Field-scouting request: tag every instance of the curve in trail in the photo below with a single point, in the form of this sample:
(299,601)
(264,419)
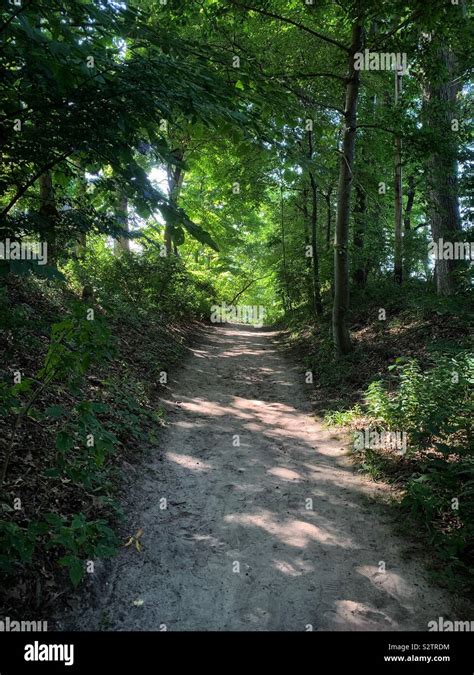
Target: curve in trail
(239,546)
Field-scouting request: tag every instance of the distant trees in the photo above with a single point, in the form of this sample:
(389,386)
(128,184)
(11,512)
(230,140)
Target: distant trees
(83,86)
(93,89)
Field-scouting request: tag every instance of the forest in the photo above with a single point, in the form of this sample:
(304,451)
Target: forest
(236,262)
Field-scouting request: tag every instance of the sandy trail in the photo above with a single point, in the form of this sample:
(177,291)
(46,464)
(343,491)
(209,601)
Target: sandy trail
(237,547)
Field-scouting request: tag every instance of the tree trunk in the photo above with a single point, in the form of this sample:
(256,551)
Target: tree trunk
(327,197)
(49,211)
(407,234)
(442,170)
(175,182)
(318,306)
(307,239)
(360,215)
(81,237)
(287,305)
(168,240)
(398,253)
(410,202)
(341,336)
(121,213)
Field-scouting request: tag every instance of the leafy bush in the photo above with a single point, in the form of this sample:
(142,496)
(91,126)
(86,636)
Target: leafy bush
(433,406)
(76,343)
(83,444)
(441,496)
(75,541)
(148,281)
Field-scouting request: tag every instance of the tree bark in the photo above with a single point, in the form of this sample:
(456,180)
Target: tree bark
(307,239)
(342,342)
(360,214)
(175,182)
(410,202)
(121,212)
(81,237)
(48,210)
(398,253)
(288,304)
(327,197)
(440,94)
(317,303)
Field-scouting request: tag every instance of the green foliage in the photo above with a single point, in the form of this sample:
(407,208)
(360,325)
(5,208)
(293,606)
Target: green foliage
(17,544)
(24,267)
(80,540)
(97,96)
(83,443)
(433,406)
(146,283)
(77,343)
(340,418)
(85,81)
(441,498)
(75,541)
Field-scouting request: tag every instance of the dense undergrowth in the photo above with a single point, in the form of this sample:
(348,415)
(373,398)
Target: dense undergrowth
(79,401)
(411,373)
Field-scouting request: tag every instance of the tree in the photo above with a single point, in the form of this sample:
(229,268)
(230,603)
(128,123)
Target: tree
(342,340)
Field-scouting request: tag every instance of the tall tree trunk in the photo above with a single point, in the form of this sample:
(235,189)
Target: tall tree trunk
(307,240)
(410,202)
(327,197)
(168,240)
(81,237)
(175,182)
(288,304)
(341,336)
(48,210)
(398,254)
(440,94)
(121,213)
(318,305)
(407,262)
(360,215)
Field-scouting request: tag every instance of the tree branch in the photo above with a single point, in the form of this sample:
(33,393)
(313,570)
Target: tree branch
(376,126)
(284,76)
(32,180)
(14,15)
(310,101)
(286,19)
(415,15)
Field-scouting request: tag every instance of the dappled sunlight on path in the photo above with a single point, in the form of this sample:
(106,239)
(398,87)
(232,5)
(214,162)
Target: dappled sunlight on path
(266,525)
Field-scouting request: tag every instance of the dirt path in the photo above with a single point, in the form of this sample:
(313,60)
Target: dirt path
(231,507)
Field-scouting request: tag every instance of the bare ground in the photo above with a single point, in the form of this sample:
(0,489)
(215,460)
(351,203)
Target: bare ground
(240,545)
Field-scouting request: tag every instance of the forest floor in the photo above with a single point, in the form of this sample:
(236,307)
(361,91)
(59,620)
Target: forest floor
(238,546)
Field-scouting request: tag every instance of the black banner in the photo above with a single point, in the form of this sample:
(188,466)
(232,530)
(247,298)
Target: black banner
(149,652)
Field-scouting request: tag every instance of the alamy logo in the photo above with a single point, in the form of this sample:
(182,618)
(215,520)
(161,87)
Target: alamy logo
(444,626)
(368,60)
(9,626)
(46,652)
(253,314)
(24,250)
(369,439)
(449,250)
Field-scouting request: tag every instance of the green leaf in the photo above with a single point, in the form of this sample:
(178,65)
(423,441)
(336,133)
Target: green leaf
(64,441)
(53,519)
(75,568)
(55,411)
